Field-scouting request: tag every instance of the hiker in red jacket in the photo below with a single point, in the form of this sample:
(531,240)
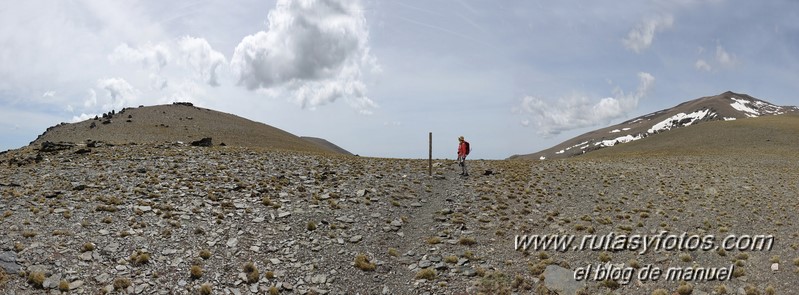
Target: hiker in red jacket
(463,151)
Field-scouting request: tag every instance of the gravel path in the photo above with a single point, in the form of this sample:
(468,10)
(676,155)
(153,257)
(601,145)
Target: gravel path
(177,219)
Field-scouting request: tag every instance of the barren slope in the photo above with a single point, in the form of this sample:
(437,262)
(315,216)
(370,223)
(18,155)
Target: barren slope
(727,106)
(327,144)
(148,212)
(752,137)
(177,122)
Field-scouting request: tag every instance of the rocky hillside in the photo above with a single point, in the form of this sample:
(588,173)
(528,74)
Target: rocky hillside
(180,219)
(327,144)
(727,106)
(179,122)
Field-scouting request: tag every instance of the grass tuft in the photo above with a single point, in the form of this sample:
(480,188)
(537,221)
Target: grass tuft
(426,274)
(206,289)
(140,257)
(362,263)
(63,286)
(121,283)
(252,272)
(685,289)
(467,241)
(205,254)
(36,279)
(195,272)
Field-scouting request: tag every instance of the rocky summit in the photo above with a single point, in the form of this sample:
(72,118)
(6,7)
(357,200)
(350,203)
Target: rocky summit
(183,219)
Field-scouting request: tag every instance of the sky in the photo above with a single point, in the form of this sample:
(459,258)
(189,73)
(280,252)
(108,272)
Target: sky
(375,77)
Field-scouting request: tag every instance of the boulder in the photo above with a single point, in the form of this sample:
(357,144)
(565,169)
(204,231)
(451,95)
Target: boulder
(561,280)
(203,142)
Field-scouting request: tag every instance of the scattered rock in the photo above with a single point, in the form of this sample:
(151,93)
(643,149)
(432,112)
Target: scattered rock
(560,280)
(50,147)
(83,151)
(231,243)
(205,142)
(8,261)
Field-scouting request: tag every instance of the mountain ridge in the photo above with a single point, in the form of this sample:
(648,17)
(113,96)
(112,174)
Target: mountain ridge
(179,122)
(725,106)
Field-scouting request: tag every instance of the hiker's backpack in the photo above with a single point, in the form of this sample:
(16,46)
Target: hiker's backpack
(468,149)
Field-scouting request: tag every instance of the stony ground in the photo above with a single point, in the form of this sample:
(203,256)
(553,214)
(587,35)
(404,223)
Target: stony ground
(176,219)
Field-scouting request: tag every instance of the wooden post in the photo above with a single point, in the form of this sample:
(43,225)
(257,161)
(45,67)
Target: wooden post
(430,156)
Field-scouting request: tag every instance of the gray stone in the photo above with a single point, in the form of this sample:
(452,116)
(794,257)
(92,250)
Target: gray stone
(112,248)
(140,288)
(345,219)
(76,284)
(232,242)
(144,209)
(85,256)
(469,272)
(8,262)
(52,281)
(103,278)
(355,239)
(424,263)
(560,280)
(319,279)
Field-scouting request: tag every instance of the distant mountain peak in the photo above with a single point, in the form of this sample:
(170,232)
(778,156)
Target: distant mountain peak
(725,106)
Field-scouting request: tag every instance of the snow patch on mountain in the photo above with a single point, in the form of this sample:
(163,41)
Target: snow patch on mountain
(681,120)
(618,140)
(755,108)
(744,106)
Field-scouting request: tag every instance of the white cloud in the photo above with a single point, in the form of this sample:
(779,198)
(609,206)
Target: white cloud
(120,93)
(152,58)
(702,65)
(314,49)
(578,111)
(48,94)
(641,37)
(203,59)
(82,117)
(188,91)
(724,58)
(90,101)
